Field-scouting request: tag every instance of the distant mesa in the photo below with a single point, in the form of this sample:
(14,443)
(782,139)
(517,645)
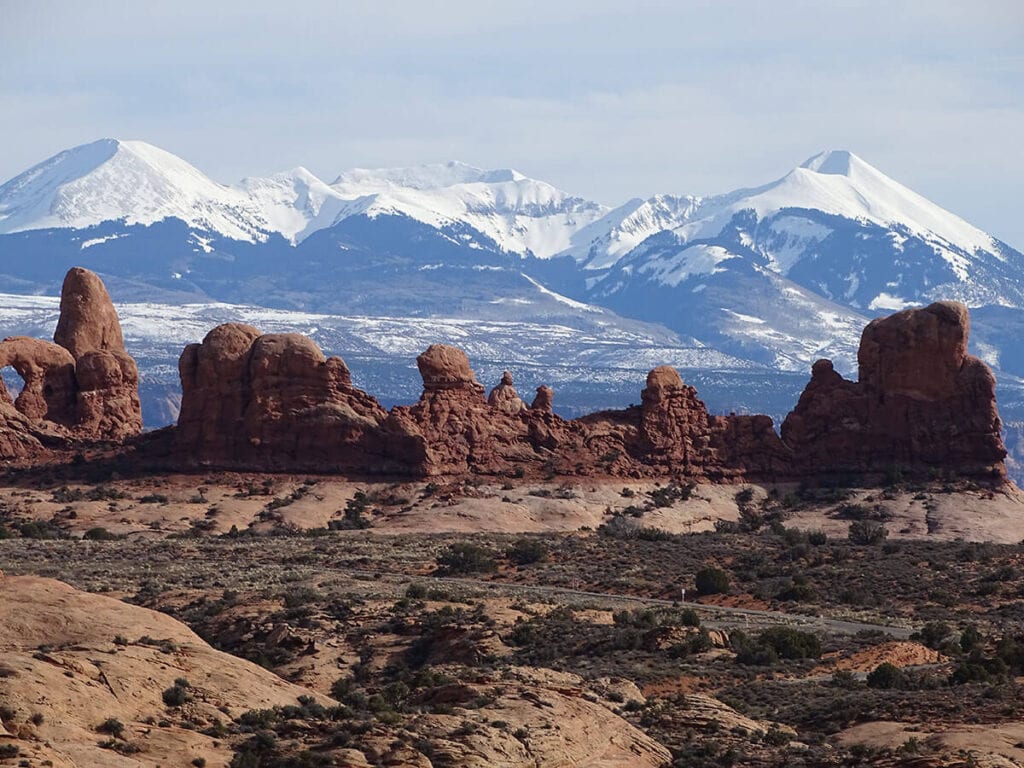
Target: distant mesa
(274,402)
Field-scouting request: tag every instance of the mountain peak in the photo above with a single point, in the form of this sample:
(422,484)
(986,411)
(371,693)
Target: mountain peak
(835,162)
(113,179)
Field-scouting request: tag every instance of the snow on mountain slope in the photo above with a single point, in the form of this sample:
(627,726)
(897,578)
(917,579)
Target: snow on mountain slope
(602,243)
(295,203)
(110,180)
(834,225)
(840,183)
(835,182)
(131,180)
(730,302)
(520,214)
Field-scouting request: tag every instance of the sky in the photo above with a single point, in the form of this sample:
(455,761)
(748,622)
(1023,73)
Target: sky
(608,100)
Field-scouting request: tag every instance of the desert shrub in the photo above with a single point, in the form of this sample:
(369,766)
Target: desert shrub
(866,532)
(933,634)
(177,694)
(620,527)
(977,669)
(844,678)
(886,676)
(527,551)
(712,581)
(791,643)
(797,589)
(353,518)
(755,655)
(817,538)
(854,511)
(466,557)
(416,591)
(41,529)
(9,751)
(695,643)
(99,534)
(300,596)
(111,726)
(670,494)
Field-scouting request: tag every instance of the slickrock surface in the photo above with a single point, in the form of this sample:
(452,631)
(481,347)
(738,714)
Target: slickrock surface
(84,677)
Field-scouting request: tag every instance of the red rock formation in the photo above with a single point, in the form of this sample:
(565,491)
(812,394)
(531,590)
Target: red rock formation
(48,372)
(84,384)
(452,429)
(504,396)
(88,320)
(544,400)
(108,406)
(921,403)
(273,402)
(674,422)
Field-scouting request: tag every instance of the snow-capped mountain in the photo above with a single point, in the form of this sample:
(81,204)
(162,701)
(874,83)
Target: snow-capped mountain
(837,226)
(137,183)
(130,181)
(780,273)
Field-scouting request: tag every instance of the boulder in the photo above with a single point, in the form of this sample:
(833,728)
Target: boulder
(444,367)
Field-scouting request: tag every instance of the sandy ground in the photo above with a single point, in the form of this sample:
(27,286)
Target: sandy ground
(181,503)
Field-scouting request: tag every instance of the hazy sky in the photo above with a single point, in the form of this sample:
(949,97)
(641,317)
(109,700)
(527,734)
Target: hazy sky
(609,100)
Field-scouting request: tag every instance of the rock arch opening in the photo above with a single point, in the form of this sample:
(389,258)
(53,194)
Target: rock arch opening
(11,385)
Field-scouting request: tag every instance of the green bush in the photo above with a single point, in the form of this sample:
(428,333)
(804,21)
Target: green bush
(712,581)
(416,591)
(177,694)
(933,634)
(866,532)
(527,551)
(111,725)
(99,534)
(791,643)
(886,676)
(466,557)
